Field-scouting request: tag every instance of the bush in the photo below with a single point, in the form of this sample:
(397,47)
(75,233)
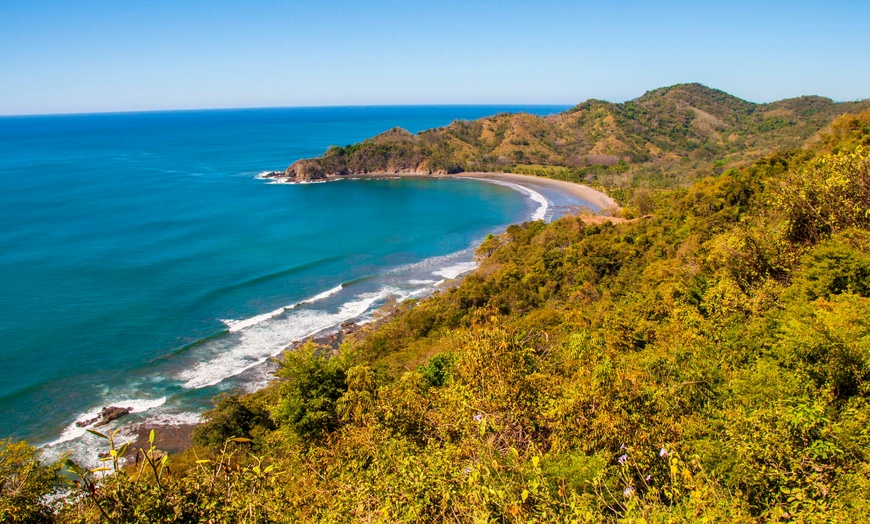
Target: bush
(25,484)
(438,370)
(829,194)
(313,383)
(232,416)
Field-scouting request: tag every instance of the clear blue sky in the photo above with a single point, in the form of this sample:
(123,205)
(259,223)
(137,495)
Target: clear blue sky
(87,55)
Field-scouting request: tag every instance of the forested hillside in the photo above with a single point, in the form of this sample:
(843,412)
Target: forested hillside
(707,363)
(665,138)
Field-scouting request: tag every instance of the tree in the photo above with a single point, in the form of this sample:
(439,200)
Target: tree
(313,383)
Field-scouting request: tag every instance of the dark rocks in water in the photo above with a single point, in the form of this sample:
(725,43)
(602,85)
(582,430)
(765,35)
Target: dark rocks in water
(111,413)
(107,415)
(85,423)
(349,327)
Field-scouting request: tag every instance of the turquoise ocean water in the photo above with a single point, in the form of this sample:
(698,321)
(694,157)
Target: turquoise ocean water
(144,264)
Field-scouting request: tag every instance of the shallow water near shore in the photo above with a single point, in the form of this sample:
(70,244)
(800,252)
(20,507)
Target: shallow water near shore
(143,264)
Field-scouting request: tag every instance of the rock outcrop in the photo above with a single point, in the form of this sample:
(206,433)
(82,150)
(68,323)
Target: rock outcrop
(306,170)
(107,415)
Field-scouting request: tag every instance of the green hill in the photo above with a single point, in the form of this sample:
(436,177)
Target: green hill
(667,137)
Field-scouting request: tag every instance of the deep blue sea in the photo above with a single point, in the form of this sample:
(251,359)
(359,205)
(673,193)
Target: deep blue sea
(143,264)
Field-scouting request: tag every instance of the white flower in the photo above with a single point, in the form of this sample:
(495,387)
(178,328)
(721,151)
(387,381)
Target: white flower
(629,491)
(663,453)
(622,459)
(478,417)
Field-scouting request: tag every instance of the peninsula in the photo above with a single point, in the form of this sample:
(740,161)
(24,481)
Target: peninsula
(667,137)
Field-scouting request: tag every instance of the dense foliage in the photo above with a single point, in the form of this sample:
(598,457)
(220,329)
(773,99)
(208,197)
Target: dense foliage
(708,362)
(25,484)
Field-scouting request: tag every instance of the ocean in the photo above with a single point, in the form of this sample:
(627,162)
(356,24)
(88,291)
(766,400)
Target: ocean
(144,264)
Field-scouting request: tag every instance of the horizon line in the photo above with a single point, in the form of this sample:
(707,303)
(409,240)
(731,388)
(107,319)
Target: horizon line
(256,108)
(337,106)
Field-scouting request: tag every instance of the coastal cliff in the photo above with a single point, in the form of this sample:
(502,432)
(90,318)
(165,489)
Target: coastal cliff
(396,151)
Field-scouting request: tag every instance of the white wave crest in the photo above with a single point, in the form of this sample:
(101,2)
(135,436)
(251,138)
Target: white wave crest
(326,294)
(543,204)
(258,342)
(284,180)
(237,325)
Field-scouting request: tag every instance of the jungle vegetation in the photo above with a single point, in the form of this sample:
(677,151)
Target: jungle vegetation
(709,362)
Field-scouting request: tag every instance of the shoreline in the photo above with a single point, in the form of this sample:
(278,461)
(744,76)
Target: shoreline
(583,192)
(580,191)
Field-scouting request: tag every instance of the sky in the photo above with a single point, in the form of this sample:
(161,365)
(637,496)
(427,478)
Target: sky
(92,56)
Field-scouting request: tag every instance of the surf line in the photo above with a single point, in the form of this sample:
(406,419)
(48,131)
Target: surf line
(238,325)
(543,204)
(263,340)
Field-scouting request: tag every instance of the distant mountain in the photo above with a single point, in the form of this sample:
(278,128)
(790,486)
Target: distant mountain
(665,137)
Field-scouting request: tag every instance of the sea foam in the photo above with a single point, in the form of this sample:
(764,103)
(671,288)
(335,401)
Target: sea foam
(257,342)
(185,418)
(238,325)
(423,282)
(543,204)
(455,270)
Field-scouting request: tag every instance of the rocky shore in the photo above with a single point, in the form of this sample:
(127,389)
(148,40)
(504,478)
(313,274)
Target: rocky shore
(174,438)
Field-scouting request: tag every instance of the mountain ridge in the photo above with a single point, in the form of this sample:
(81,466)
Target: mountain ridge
(666,137)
